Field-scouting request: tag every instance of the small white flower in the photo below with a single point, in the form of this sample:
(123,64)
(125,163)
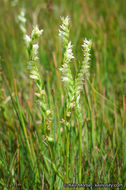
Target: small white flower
(35,48)
(21,17)
(27,40)
(69,53)
(61,69)
(34,77)
(62,33)
(65,23)
(34,72)
(87,46)
(36,33)
(65,79)
(35,51)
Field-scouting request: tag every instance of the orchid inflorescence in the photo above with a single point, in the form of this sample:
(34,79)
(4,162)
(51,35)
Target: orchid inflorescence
(73,87)
(21,20)
(32,65)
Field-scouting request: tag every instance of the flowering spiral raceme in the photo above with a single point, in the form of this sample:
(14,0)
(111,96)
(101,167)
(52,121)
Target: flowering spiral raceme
(68,82)
(83,75)
(65,69)
(21,19)
(73,88)
(34,71)
(66,72)
(64,31)
(33,53)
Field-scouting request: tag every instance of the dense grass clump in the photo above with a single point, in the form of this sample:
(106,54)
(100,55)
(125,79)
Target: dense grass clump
(62,94)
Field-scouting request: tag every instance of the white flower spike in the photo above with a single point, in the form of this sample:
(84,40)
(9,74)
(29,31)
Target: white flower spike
(84,71)
(64,31)
(21,19)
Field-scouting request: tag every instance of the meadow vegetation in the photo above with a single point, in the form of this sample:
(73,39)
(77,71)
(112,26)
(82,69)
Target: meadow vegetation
(62,93)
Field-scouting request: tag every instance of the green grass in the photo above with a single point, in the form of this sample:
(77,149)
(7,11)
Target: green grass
(30,160)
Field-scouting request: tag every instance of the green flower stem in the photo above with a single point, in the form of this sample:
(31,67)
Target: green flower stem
(79,118)
(67,151)
(80,151)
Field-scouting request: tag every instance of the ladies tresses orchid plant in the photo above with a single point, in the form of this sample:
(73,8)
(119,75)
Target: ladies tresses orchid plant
(32,65)
(73,87)
(68,82)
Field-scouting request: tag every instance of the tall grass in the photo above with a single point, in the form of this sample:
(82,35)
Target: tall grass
(62,107)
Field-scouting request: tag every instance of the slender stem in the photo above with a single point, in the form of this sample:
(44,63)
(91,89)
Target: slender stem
(67,153)
(80,151)
(79,117)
